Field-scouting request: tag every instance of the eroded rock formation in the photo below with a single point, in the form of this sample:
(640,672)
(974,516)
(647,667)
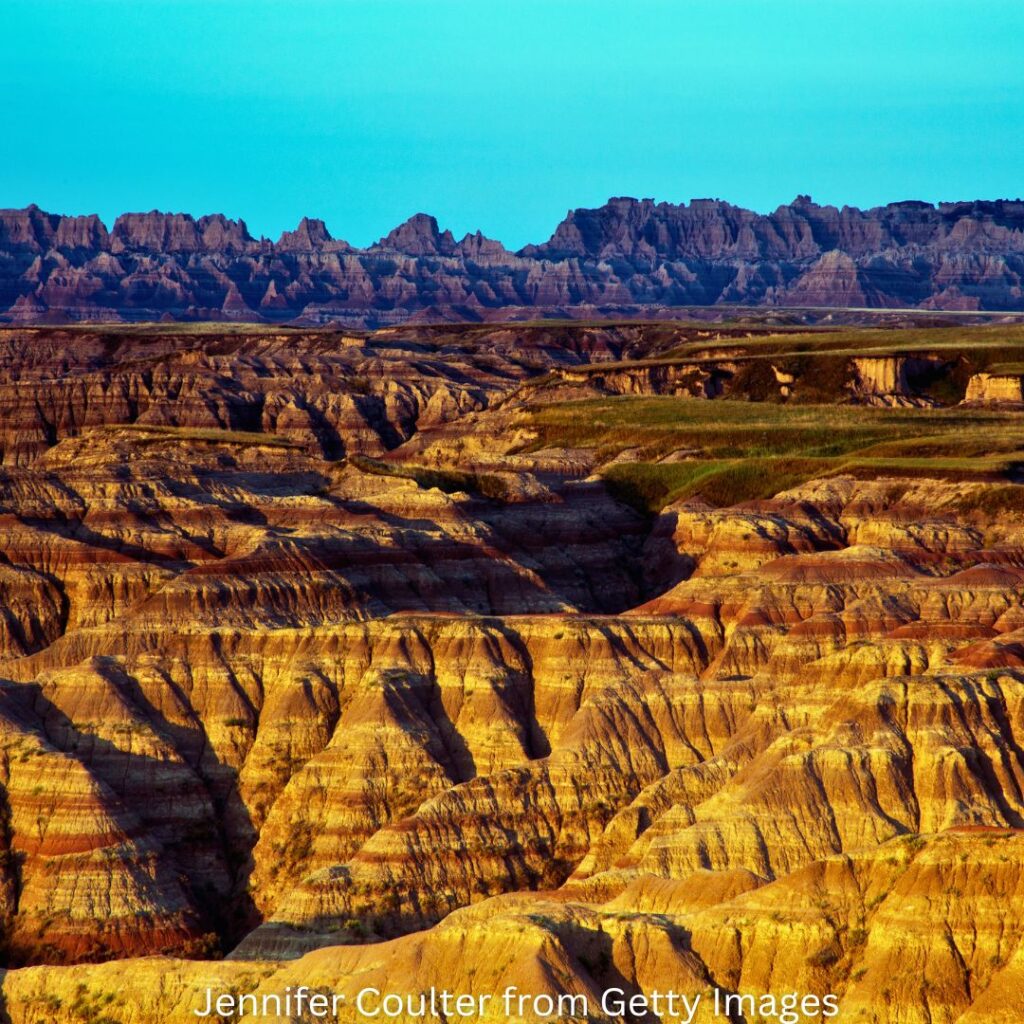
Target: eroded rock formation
(314,646)
(628,256)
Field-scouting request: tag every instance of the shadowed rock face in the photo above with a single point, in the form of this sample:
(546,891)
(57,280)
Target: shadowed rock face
(316,646)
(627,255)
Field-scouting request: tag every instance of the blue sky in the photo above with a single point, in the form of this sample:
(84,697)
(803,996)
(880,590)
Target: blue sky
(499,115)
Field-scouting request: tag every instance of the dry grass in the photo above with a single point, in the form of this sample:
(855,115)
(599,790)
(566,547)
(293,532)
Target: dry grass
(152,433)
(651,486)
(728,429)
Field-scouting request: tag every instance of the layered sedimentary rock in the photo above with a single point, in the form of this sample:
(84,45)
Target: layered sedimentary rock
(324,392)
(318,654)
(627,255)
(988,388)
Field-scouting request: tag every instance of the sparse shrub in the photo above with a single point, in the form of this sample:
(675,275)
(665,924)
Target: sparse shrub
(824,957)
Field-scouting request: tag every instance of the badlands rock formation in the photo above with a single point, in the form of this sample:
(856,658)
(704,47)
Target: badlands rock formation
(996,387)
(351,661)
(627,256)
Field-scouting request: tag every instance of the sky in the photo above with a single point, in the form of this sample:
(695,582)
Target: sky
(499,115)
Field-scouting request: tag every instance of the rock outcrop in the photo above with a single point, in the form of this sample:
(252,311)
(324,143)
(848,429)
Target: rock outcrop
(995,388)
(627,256)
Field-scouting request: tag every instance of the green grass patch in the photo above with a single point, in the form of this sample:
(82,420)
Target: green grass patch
(745,451)
(978,468)
(733,429)
(649,487)
(979,442)
(152,434)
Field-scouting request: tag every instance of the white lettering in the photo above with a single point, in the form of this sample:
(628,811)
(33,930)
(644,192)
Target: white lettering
(209,1005)
(362,1006)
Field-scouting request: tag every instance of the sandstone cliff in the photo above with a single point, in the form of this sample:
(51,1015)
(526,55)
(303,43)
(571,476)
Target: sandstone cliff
(988,388)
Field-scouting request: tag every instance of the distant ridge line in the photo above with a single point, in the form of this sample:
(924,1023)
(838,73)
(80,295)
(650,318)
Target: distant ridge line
(628,253)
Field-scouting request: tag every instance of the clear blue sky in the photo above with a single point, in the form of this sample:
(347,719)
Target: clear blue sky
(501,115)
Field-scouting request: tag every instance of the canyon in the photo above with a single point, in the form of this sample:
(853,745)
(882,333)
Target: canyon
(570,656)
(628,257)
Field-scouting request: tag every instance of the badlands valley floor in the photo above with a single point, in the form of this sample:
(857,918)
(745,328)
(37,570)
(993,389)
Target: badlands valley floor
(563,656)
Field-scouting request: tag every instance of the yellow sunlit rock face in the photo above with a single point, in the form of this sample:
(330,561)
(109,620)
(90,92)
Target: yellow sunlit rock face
(566,659)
